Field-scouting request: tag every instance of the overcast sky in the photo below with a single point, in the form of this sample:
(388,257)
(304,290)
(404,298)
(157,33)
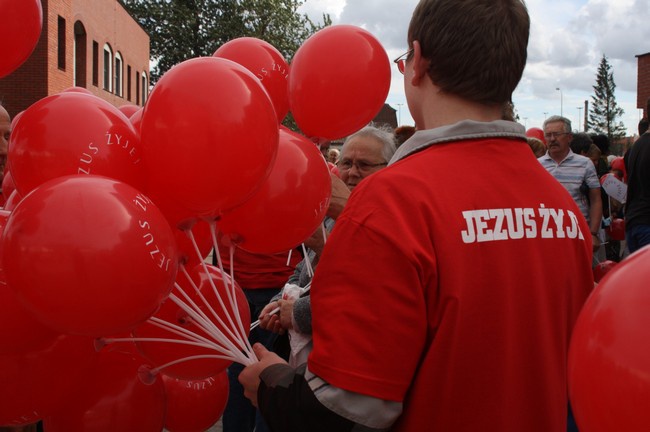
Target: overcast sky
(568,39)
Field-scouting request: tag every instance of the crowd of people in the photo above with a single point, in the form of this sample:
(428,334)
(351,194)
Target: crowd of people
(442,289)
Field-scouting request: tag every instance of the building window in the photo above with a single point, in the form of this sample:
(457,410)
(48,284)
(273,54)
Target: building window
(61,43)
(95,64)
(128,83)
(79,55)
(137,88)
(119,75)
(144,87)
(108,68)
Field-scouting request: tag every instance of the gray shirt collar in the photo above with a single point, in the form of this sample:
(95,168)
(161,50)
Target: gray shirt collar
(463,130)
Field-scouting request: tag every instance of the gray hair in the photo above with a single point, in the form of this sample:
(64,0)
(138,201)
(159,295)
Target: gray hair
(382,134)
(557,118)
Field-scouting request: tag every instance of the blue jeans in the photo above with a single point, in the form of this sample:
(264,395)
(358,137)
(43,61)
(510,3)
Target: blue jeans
(637,237)
(240,415)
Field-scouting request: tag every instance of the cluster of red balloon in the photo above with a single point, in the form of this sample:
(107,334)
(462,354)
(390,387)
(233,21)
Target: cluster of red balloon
(109,207)
(20,27)
(609,357)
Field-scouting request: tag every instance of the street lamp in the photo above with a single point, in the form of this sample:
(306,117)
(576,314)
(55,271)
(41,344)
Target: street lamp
(525,121)
(561,101)
(579,116)
(545,115)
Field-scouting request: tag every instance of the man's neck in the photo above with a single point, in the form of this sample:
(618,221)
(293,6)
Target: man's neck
(558,157)
(446,109)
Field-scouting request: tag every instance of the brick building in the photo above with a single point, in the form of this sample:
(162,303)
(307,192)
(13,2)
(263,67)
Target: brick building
(643,82)
(93,44)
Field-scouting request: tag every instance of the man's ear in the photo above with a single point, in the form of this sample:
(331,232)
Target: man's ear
(418,64)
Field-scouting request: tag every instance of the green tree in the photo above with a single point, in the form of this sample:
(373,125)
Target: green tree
(184,29)
(604,110)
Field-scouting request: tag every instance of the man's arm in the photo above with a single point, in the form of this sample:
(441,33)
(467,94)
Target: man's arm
(595,214)
(298,401)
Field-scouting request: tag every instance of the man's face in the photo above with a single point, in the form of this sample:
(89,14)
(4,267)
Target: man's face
(557,139)
(5,131)
(360,157)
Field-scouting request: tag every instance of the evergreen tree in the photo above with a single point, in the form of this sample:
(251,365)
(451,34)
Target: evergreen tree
(604,110)
(184,29)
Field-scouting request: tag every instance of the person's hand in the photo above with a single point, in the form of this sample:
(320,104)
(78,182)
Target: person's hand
(340,195)
(250,376)
(286,314)
(596,242)
(316,243)
(269,321)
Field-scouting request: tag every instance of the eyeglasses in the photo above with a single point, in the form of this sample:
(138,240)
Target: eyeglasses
(553,135)
(401,60)
(364,167)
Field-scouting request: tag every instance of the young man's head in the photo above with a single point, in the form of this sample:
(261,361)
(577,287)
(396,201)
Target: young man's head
(476,48)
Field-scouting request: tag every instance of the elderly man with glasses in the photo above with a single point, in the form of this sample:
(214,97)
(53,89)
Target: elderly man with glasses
(575,172)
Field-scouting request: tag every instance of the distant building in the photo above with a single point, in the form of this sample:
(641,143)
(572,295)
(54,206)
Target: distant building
(386,116)
(94,44)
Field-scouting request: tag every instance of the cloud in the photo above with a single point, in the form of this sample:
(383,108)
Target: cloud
(568,39)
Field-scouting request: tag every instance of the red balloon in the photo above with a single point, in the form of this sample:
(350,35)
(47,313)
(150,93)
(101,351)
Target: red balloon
(136,119)
(616,229)
(194,406)
(333,100)
(73,133)
(20,27)
(211,120)
(289,206)
(161,353)
(202,237)
(13,200)
(14,121)
(536,132)
(20,332)
(82,90)
(8,185)
(95,240)
(37,383)
(266,63)
(609,356)
(115,399)
(334,169)
(601,269)
(129,109)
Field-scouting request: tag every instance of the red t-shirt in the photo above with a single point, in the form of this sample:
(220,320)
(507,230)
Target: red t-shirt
(451,282)
(257,271)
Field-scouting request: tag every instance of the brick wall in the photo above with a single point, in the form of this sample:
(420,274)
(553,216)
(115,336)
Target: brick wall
(643,82)
(104,21)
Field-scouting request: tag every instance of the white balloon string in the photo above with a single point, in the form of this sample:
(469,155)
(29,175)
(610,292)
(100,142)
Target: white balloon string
(231,253)
(310,270)
(240,340)
(211,346)
(206,324)
(305,290)
(289,257)
(230,285)
(258,322)
(157,370)
(216,333)
(178,330)
(322,227)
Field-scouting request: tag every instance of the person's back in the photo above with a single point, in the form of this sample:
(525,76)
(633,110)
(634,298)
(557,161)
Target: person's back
(496,317)
(637,206)
(447,293)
